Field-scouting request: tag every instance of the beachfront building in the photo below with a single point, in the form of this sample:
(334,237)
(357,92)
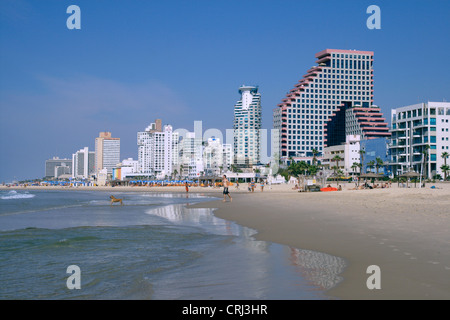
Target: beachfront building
(190,164)
(247,127)
(217,157)
(334,99)
(107,152)
(127,168)
(56,167)
(375,149)
(348,153)
(83,164)
(157,151)
(420,134)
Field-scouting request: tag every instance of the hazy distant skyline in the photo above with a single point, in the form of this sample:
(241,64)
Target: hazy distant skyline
(182,61)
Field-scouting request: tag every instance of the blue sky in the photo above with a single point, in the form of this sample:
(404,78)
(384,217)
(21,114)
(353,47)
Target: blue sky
(134,61)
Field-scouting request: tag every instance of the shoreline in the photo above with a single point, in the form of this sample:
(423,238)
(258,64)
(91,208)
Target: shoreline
(395,230)
(406,232)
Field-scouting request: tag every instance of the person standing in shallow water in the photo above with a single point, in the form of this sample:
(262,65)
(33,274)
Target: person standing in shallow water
(226,184)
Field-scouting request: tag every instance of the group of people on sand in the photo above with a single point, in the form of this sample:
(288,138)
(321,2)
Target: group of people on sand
(366,185)
(226,184)
(251,187)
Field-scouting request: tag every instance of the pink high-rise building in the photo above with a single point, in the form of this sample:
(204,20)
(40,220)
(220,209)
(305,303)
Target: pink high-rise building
(333,99)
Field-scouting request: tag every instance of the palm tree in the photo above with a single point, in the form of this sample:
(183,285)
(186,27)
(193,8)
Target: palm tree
(354,166)
(315,152)
(379,163)
(359,165)
(425,159)
(371,164)
(445,168)
(361,154)
(445,155)
(336,158)
(181,169)
(303,167)
(313,169)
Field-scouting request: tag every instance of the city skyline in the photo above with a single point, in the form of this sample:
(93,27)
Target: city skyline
(65,86)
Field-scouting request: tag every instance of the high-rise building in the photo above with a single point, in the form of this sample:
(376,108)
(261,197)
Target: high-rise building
(83,164)
(190,156)
(157,151)
(217,157)
(107,152)
(247,127)
(333,100)
(420,134)
(56,167)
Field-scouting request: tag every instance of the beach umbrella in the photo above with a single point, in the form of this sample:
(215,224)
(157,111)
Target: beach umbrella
(410,174)
(371,175)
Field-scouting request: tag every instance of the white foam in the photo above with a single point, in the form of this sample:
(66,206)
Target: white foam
(13,194)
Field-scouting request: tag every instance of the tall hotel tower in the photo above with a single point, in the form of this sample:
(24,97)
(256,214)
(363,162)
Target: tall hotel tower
(107,152)
(332,100)
(247,127)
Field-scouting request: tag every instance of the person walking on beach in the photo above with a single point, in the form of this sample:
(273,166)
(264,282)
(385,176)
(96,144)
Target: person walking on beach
(186,186)
(253,186)
(262,185)
(226,184)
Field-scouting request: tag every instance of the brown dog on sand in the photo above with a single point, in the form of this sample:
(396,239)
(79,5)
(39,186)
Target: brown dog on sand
(114,199)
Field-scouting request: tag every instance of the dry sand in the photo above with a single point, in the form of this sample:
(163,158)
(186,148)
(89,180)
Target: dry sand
(406,232)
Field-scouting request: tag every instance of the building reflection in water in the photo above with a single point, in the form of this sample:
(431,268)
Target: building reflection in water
(320,270)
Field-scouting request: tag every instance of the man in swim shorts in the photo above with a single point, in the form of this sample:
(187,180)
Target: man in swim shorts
(226,183)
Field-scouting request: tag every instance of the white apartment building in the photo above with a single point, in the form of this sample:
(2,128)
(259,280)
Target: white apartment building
(190,164)
(247,127)
(348,152)
(413,128)
(217,157)
(157,151)
(83,164)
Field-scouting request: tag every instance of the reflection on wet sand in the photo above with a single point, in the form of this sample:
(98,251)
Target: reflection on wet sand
(320,269)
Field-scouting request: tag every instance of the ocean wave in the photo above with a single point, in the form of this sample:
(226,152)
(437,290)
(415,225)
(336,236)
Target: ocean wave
(13,194)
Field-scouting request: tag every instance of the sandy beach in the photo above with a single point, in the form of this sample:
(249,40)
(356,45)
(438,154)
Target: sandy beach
(404,231)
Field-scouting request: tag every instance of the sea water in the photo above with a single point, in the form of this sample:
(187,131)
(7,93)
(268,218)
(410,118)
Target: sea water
(153,247)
